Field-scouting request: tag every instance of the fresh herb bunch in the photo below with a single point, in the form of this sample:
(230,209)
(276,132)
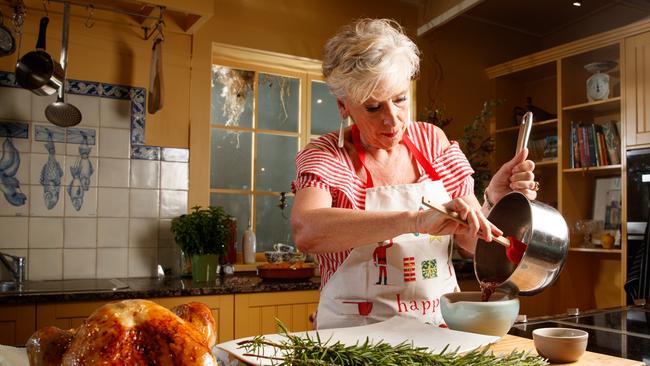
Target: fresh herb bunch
(203,231)
(295,350)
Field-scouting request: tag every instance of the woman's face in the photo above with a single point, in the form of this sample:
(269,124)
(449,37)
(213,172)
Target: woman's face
(382,121)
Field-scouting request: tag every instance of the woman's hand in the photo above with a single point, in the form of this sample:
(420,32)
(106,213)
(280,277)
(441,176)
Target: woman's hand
(515,175)
(433,222)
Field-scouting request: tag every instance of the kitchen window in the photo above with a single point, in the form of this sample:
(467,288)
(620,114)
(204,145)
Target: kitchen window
(264,108)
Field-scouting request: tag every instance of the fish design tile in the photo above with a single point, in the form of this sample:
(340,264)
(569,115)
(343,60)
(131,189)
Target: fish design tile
(9,164)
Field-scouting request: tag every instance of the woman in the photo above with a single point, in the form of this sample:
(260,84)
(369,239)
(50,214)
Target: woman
(358,193)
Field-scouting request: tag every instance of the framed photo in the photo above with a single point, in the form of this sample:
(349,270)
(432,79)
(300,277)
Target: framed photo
(607,204)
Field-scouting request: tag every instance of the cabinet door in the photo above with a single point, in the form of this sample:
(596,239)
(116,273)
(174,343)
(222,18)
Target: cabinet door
(637,89)
(256,313)
(17,323)
(222,311)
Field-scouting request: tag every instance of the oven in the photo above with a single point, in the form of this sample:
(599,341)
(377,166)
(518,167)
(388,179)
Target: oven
(638,211)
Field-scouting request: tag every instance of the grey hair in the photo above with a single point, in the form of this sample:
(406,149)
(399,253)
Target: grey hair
(366,52)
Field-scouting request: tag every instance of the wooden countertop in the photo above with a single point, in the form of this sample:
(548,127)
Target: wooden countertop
(510,342)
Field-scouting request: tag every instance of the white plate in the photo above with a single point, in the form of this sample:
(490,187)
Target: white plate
(393,331)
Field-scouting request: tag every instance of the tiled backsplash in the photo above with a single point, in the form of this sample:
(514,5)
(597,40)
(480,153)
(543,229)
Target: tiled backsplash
(90,201)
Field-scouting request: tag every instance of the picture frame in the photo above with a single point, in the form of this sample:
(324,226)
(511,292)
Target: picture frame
(607,205)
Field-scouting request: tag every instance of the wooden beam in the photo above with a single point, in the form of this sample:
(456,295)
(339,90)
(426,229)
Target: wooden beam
(440,12)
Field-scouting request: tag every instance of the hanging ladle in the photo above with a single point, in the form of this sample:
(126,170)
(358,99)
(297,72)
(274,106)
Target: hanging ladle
(61,113)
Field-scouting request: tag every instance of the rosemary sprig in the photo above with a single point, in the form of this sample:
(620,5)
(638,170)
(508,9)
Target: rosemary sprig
(296,350)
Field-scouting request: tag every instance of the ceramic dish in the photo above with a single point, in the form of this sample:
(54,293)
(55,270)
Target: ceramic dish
(560,344)
(466,312)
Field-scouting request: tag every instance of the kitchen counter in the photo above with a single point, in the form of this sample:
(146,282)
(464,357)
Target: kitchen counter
(131,288)
(620,332)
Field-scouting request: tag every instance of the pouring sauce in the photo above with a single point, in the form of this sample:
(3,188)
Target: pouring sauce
(487,289)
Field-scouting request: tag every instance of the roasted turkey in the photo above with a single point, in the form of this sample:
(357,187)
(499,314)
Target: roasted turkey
(130,332)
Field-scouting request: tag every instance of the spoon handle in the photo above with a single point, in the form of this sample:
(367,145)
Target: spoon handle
(454,216)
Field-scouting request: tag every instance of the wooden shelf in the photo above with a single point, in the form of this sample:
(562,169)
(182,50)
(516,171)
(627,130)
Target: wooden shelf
(596,250)
(597,106)
(545,163)
(535,125)
(597,169)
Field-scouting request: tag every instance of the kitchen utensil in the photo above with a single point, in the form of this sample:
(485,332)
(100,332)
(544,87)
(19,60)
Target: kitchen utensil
(515,249)
(538,225)
(36,70)
(156,86)
(560,345)
(524,131)
(61,113)
(7,40)
(466,312)
(454,216)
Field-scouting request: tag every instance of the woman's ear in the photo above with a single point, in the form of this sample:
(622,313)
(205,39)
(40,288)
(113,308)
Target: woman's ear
(343,108)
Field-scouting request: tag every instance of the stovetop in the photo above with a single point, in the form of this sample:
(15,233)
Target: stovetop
(621,332)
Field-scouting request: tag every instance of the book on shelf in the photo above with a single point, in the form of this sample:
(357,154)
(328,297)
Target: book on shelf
(594,144)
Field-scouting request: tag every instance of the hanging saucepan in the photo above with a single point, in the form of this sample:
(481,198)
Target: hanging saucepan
(7,40)
(37,70)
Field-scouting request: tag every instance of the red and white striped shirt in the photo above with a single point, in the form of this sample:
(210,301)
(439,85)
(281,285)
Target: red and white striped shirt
(322,164)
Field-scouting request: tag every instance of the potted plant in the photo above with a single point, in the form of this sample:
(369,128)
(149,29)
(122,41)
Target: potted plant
(203,235)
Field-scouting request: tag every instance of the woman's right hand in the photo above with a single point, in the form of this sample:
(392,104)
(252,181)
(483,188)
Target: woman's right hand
(435,223)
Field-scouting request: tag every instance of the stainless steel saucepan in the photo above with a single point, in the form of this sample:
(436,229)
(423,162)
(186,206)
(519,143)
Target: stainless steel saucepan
(37,70)
(546,234)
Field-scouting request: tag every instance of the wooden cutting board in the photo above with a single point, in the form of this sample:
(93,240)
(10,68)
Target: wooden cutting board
(510,342)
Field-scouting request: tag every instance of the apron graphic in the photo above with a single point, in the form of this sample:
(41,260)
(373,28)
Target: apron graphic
(399,276)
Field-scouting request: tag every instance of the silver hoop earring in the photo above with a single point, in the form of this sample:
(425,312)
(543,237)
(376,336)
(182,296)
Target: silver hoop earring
(341,137)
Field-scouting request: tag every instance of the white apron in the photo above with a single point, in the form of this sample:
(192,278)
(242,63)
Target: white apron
(405,275)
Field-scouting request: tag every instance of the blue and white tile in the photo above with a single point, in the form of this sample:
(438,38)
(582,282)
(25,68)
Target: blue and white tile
(115,113)
(45,232)
(8,209)
(115,91)
(173,175)
(39,103)
(45,264)
(113,232)
(144,152)
(16,104)
(142,262)
(82,140)
(79,263)
(83,87)
(114,172)
(37,163)
(80,233)
(40,137)
(71,161)
(8,79)
(22,146)
(113,202)
(37,203)
(112,262)
(114,143)
(174,154)
(143,203)
(143,233)
(88,206)
(172,203)
(165,236)
(89,108)
(145,174)
(15,232)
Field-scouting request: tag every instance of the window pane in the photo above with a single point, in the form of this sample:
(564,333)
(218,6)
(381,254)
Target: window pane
(324,113)
(272,225)
(275,168)
(232,97)
(278,102)
(230,159)
(236,205)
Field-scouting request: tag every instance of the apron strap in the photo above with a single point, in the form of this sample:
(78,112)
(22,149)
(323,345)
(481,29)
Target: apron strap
(421,159)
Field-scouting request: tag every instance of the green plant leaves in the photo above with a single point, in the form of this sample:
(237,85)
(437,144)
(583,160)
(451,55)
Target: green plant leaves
(203,231)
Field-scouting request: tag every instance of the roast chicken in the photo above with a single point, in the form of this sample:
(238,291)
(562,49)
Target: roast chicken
(130,332)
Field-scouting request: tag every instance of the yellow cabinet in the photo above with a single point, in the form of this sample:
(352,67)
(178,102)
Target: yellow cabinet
(17,323)
(256,313)
(637,89)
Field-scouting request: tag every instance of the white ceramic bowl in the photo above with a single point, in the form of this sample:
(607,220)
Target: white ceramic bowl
(560,344)
(466,312)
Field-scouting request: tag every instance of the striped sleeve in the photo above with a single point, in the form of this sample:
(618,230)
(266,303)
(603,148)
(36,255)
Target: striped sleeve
(320,165)
(454,169)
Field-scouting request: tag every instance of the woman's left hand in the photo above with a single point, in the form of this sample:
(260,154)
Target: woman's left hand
(515,175)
